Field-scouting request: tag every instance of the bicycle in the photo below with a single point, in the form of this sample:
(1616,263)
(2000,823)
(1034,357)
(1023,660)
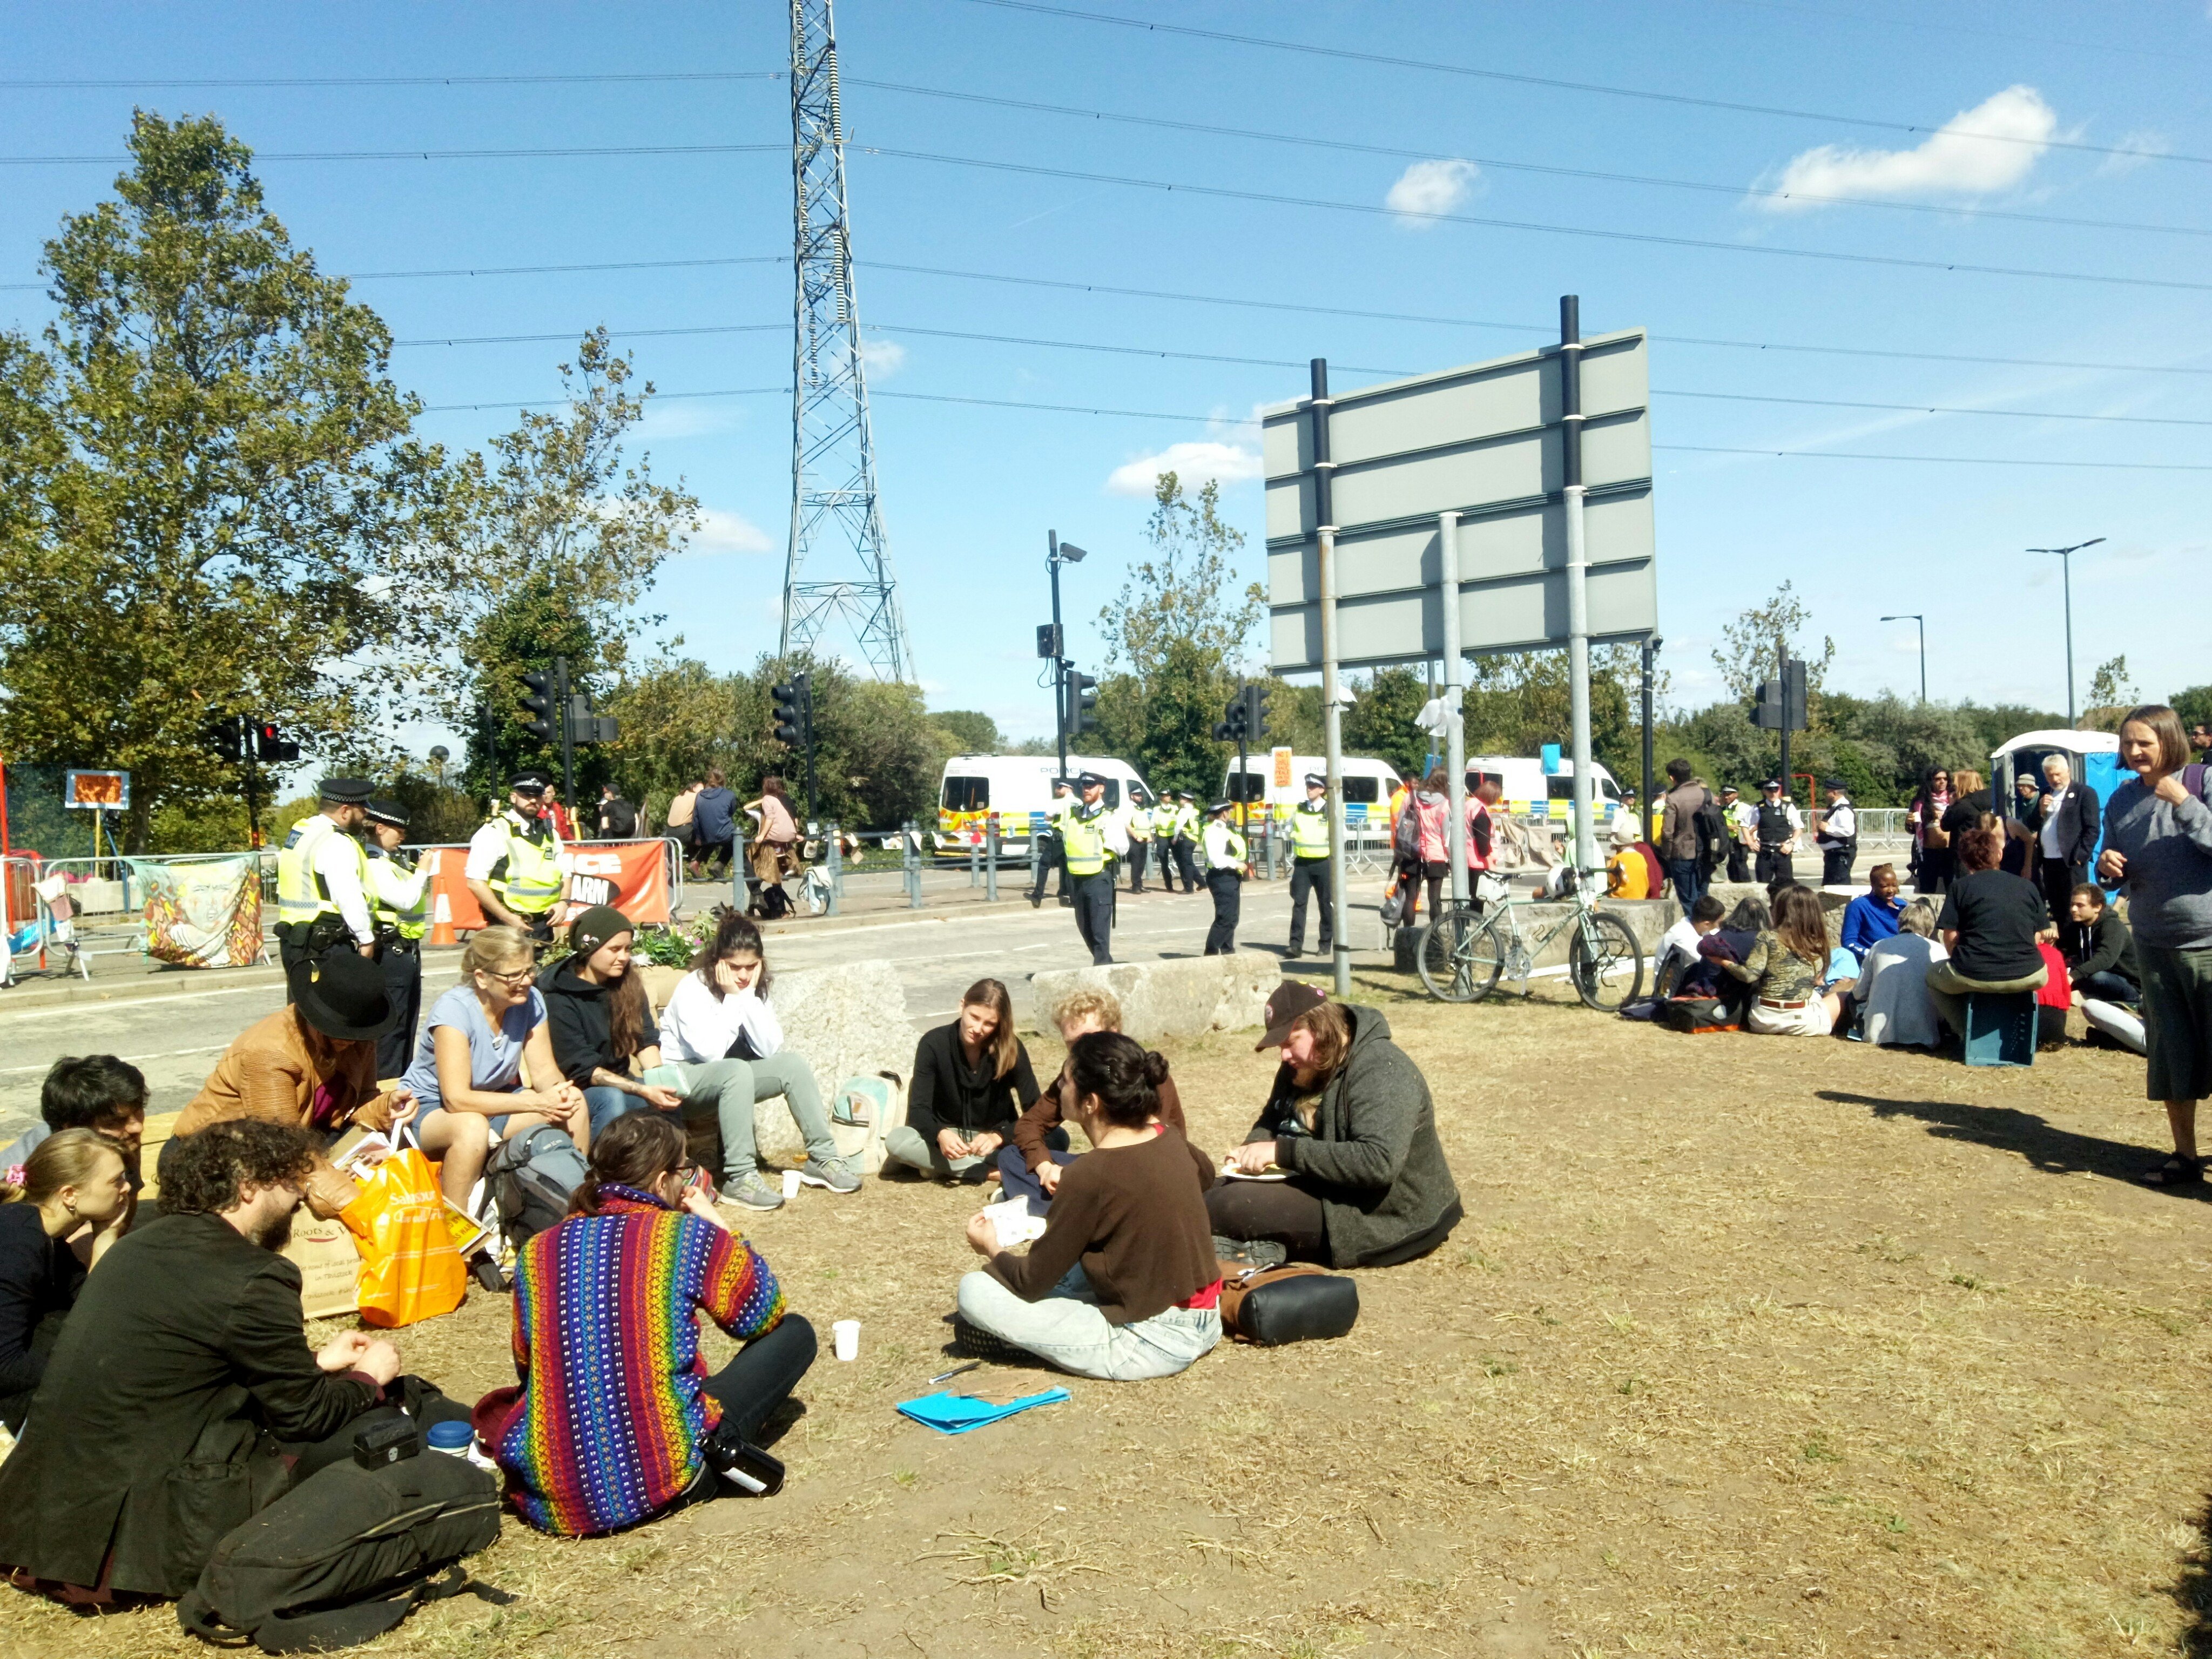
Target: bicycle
(1462,955)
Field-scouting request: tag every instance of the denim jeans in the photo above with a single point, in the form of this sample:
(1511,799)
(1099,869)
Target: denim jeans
(1065,1329)
(1017,1179)
(1688,876)
(607,1104)
(2108,986)
(726,1091)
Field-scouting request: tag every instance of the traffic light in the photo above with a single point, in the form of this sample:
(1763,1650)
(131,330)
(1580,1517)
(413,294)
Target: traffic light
(1048,640)
(1083,701)
(271,745)
(586,723)
(1236,725)
(1793,694)
(1766,712)
(225,737)
(541,702)
(1255,710)
(794,711)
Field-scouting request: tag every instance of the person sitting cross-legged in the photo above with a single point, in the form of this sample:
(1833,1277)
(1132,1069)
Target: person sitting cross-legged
(59,1214)
(1989,925)
(1891,994)
(1785,970)
(1125,1283)
(970,1079)
(1874,915)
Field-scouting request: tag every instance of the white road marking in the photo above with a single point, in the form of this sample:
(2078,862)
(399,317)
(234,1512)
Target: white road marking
(133,1005)
(172,1054)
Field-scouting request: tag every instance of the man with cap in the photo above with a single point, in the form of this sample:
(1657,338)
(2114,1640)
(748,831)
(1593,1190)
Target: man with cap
(1090,837)
(1838,838)
(513,865)
(1224,878)
(1310,849)
(398,901)
(1776,823)
(322,905)
(1743,831)
(1047,843)
(1184,843)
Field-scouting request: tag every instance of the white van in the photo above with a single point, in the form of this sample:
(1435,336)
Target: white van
(1531,793)
(1016,790)
(1278,780)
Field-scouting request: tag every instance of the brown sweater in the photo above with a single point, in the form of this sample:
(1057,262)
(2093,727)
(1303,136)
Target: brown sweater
(1135,1218)
(1044,1115)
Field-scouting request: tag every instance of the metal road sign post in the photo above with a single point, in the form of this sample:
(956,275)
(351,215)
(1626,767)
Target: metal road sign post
(1544,457)
(1332,713)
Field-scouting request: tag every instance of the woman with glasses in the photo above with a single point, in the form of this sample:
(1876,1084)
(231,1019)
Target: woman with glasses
(480,1038)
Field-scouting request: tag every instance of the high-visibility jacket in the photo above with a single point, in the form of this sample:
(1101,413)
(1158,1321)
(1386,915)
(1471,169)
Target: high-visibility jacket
(1225,848)
(527,881)
(1178,825)
(1310,830)
(302,896)
(399,895)
(1140,823)
(1083,839)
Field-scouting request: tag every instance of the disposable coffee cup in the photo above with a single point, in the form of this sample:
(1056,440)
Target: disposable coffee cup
(791,1183)
(846,1334)
(454,1439)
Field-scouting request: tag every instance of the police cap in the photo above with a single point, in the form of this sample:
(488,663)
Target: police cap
(1091,780)
(1771,783)
(1221,806)
(347,792)
(1316,781)
(1836,787)
(1729,789)
(387,812)
(530,782)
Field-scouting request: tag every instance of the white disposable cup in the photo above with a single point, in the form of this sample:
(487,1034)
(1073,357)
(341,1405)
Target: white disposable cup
(791,1183)
(846,1334)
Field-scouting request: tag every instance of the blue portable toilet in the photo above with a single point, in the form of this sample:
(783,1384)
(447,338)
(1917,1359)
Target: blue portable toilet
(2093,756)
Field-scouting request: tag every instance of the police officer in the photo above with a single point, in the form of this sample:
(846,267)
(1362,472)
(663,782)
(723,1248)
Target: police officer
(1743,830)
(398,901)
(513,868)
(321,903)
(1047,844)
(1185,844)
(1838,838)
(1087,836)
(1309,844)
(1776,827)
(1167,817)
(1138,822)
(1224,878)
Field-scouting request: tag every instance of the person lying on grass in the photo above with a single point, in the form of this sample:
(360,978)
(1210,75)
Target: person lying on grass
(1030,1167)
(1124,1284)
(1344,1166)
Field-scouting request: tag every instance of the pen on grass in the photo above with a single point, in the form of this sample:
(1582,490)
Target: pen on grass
(947,1377)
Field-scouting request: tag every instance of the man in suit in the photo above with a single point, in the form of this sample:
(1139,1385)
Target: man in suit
(2067,824)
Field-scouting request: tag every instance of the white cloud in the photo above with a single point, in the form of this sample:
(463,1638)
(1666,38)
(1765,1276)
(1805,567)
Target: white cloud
(728,532)
(882,358)
(1193,463)
(1431,187)
(1958,160)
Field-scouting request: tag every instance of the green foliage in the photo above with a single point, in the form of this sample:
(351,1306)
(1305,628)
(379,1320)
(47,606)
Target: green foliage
(2193,705)
(1294,719)
(2111,693)
(1380,722)
(1745,655)
(971,732)
(1165,729)
(1517,704)
(212,503)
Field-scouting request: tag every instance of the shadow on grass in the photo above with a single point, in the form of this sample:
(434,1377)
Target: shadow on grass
(2194,1592)
(2042,1144)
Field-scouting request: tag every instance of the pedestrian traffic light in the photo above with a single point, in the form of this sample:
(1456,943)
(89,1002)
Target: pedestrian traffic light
(1255,710)
(226,737)
(586,723)
(1236,725)
(1048,640)
(271,746)
(1793,694)
(1766,711)
(540,701)
(793,709)
(1083,700)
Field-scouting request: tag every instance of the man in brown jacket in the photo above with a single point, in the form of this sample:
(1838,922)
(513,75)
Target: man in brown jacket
(1679,844)
(311,1065)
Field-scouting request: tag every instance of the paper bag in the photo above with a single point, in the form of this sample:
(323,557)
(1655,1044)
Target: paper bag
(329,1266)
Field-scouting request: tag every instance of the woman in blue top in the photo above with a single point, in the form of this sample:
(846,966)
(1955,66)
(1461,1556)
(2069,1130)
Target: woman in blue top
(468,1071)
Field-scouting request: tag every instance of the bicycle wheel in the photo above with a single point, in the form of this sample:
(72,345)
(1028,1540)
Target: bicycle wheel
(1605,962)
(1459,958)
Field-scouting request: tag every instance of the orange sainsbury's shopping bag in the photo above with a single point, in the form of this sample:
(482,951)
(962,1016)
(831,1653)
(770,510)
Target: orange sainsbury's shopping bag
(409,1269)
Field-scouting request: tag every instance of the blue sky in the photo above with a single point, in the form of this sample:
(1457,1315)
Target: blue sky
(969,490)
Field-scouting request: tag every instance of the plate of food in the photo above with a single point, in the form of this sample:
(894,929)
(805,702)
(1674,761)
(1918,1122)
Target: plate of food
(1272,1172)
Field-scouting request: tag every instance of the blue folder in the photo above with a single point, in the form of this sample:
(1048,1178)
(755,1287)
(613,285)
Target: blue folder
(956,1413)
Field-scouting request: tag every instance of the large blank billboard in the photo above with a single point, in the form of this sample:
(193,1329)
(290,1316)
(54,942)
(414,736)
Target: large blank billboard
(1485,440)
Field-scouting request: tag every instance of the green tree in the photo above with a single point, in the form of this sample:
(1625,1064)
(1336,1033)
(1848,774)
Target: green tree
(213,504)
(2111,693)
(2194,705)
(1380,722)
(971,732)
(1745,655)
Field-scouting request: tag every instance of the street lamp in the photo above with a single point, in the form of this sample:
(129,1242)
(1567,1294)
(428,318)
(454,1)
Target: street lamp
(1914,616)
(2066,567)
(1058,553)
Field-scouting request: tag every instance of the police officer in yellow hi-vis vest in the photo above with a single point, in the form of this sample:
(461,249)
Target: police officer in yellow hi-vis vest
(1184,843)
(1091,839)
(1308,823)
(399,903)
(321,903)
(513,868)
(1137,822)
(1225,853)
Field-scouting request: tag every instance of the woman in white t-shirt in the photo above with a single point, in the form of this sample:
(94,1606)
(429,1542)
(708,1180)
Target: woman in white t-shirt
(720,1032)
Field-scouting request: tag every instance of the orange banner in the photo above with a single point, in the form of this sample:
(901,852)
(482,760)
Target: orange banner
(631,876)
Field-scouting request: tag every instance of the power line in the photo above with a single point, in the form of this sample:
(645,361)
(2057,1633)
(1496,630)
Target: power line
(517,271)
(1647,238)
(574,334)
(1929,409)
(1555,84)
(529,154)
(1939,461)
(1401,153)
(397,81)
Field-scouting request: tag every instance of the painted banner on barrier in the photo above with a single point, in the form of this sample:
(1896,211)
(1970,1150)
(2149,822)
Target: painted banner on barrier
(202,914)
(631,876)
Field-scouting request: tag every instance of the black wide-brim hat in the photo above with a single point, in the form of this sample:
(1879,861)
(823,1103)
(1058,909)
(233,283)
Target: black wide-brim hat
(342,996)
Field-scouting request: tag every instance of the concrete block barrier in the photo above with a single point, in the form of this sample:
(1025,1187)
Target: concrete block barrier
(1187,997)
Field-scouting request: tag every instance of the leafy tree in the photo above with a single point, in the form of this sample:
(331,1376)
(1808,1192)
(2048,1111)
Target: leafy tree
(1294,719)
(972,733)
(213,506)
(1380,722)
(2193,705)
(1745,655)
(2111,693)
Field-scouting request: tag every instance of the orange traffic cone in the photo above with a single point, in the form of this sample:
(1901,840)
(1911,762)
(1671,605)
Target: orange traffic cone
(441,923)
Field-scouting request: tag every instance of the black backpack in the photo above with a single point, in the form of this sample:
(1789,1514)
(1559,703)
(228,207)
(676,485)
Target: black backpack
(1710,822)
(529,1178)
(345,1555)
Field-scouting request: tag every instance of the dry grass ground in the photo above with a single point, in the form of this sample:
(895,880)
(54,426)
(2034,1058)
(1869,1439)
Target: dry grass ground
(1746,1346)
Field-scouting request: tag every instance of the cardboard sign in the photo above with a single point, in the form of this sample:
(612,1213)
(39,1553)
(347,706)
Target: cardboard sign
(329,1264)
(631,876)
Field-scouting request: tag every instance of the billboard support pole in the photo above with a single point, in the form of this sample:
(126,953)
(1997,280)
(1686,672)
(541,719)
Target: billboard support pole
(1332,716)
(1571,445)
(1455,726)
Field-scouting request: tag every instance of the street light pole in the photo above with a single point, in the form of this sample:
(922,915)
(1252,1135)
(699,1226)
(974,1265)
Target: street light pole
(1912,617)
(2066,575)
(1058,553)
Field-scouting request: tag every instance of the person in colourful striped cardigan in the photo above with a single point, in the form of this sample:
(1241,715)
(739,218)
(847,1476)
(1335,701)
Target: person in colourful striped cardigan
(609,1423)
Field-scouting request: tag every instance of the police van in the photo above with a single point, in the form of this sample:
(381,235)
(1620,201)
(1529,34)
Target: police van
(1532,793)
(1016,790)
(1276,782)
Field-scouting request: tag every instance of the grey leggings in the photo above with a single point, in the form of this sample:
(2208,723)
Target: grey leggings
(727,1089)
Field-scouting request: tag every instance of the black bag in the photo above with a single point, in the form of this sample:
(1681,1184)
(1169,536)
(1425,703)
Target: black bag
(1300,1302)
(529,1178)
(344,1556)
(1711,824)
(1696,1014)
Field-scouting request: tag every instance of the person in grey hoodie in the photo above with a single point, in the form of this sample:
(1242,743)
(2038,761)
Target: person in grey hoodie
(1350,1134)
(2158,841)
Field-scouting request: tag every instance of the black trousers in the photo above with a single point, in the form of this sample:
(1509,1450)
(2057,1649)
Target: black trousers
(1136,867)
(424,1404)
(1739,864)
(1773,862)
(1836,866)
(2060,879)
(403,983)
(1289,1213)
(1311,875)
(1094,915)
(762,1373)
(709,850)
(1228,889)
(1186,857)
(298,944)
